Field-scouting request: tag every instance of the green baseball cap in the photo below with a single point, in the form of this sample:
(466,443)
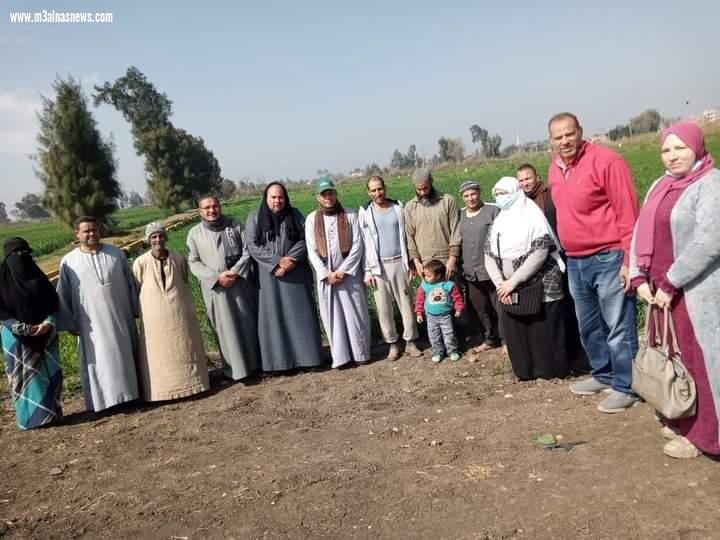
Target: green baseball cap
(323,184)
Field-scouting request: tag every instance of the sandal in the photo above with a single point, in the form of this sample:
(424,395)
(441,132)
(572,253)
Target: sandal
(484,347)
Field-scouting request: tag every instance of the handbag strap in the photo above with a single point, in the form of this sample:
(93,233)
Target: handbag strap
(500,263)
(668,323)
(651,314)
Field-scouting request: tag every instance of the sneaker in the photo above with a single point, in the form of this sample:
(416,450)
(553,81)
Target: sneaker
(436,358)
(680,448)
(455,356)
(412,349)
(393,353)
(588,387)
(617,402)
(669,433)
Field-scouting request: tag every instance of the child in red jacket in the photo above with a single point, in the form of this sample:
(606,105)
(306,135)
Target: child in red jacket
(437,299)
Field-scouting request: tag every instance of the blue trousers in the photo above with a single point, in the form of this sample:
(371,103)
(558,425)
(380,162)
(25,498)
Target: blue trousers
(606,317)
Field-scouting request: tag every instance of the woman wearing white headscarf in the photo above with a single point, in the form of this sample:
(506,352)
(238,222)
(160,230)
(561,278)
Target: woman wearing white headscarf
(521,249)
(171,362)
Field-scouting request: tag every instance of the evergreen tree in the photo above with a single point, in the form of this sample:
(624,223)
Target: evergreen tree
(397,161)
(179,167)
(3,214)
(76,164)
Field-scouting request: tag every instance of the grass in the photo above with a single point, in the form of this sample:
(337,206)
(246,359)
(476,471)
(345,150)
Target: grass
(130,218)
(47,237)
(643,157)
(44,237)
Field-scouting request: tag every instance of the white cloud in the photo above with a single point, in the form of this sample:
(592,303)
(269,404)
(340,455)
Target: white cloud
(18,121)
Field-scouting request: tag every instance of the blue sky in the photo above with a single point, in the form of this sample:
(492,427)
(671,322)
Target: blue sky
(281,89)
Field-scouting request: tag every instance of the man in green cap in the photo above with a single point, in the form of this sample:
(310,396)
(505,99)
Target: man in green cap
(335,250)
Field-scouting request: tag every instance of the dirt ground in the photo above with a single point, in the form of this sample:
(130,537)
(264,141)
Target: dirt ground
(388,450)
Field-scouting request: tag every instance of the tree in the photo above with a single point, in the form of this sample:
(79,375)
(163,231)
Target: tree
(139,102)
(122,200)
(509,150)
(3,214)
(618,132)
(478,134)
(492,148)
(30,207)
(646,122)
(373,169)
(227,189)
(456,150)
(411,157)
(444,149)
(76,164)
(179,167)
(451,149)
(134,199)
(397,161)
(490,143)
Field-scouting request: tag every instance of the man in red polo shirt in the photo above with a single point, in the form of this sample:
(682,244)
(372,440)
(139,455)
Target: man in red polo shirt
(597,206)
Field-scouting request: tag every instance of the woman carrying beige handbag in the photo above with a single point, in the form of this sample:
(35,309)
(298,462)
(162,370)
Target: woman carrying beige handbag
(676,247)
(659,376)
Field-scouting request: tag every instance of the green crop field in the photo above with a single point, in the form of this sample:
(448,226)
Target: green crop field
(44,237)
(49,236)
(643,157)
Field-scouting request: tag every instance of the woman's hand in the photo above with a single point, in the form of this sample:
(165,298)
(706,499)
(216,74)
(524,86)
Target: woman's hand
(645,294)
(662,299)
(40,329)
(503,291)
(507,300)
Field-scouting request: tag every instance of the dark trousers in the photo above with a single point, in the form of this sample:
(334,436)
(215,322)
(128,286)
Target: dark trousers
(481,311)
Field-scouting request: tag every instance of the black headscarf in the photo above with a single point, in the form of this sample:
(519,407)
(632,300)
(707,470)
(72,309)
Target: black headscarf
(268,226)
(26,294)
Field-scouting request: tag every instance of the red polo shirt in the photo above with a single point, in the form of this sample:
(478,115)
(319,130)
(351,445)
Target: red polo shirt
(596,202)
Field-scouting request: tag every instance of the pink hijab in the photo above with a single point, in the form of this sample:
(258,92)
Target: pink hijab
(692,136)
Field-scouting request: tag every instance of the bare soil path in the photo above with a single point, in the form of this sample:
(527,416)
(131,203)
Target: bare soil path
(388,450)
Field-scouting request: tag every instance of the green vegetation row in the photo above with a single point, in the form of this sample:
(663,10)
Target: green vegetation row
(49,236)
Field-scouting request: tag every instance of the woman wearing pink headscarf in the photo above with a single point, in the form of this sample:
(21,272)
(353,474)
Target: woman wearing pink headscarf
(675,262)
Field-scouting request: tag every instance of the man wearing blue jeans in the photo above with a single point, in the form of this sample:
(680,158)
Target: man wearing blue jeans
(597,207)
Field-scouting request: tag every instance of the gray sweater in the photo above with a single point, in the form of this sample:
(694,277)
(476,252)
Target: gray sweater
(474,231)
(694,224)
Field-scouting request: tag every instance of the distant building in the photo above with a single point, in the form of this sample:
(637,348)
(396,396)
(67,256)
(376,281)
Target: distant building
(711,115)
(599,138)
(707,116)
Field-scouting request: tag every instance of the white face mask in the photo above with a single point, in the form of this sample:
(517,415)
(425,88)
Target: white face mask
(504,201)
